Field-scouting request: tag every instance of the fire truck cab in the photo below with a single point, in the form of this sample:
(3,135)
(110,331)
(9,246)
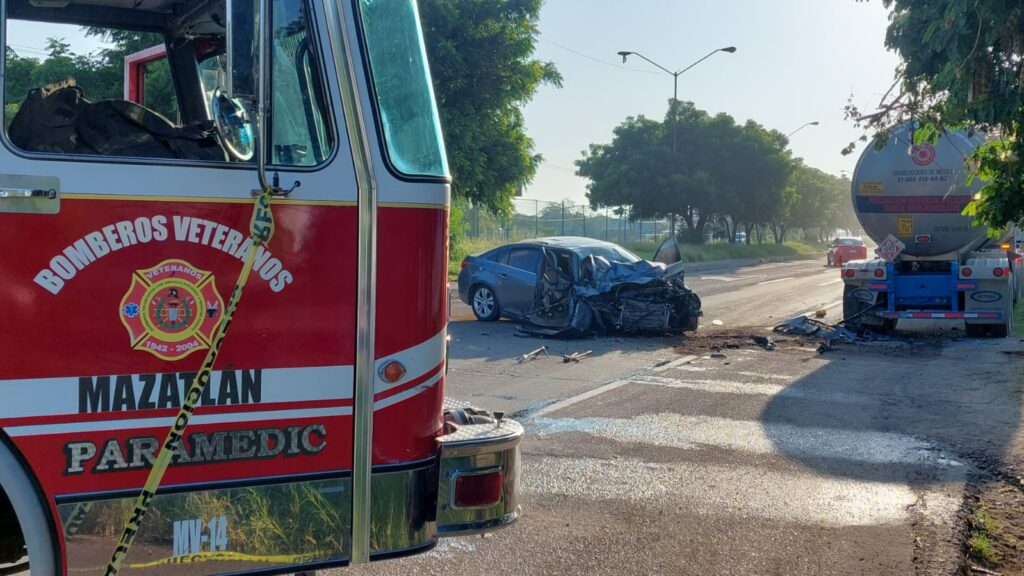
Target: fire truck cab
(322,438)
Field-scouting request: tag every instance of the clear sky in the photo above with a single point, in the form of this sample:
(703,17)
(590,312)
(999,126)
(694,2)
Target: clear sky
(797,61)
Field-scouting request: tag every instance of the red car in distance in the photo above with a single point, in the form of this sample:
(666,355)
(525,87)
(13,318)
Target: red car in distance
(843,250)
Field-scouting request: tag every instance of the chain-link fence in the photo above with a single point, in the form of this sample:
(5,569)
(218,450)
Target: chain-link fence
(538,218)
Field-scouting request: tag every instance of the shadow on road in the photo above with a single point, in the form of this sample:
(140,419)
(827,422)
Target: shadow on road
(914,412)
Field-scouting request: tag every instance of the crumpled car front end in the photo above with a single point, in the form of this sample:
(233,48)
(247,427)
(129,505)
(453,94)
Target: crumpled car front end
(612,297)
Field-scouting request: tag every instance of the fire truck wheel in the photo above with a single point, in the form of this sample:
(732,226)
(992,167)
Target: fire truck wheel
(485,304)
(31,515)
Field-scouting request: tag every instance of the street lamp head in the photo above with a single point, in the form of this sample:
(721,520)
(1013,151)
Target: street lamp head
(815,123)
(624,54)
(729,49)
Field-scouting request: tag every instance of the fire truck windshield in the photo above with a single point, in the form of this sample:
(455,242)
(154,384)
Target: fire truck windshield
(405,99)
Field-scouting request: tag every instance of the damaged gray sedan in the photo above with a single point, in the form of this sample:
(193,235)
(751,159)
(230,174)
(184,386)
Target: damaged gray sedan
(564,286)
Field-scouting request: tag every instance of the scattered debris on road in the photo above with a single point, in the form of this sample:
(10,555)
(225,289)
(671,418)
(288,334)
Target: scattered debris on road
(576,356)
(807,326)
(718,322)
(718,355)
(532,355)
(764,342)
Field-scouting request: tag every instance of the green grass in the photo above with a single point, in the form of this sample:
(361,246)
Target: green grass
(981,545)
(464,247)
(982,548)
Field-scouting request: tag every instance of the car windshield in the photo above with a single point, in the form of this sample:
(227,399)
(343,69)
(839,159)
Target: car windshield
(850,242)
(609,252)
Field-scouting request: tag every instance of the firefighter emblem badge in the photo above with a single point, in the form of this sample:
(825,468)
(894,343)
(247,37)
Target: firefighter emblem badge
(171,309)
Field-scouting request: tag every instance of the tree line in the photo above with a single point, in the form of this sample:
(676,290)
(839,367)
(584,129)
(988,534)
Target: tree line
(961,68)
(704,169)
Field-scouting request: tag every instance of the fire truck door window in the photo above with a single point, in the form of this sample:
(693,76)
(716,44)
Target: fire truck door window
(78,96)
(75,97)
(299,134)
(405,98)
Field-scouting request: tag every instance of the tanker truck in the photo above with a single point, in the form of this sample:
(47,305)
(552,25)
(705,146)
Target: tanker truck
(931,263)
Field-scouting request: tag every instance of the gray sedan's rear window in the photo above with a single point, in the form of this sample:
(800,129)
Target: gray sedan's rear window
(526,259)
(499,256)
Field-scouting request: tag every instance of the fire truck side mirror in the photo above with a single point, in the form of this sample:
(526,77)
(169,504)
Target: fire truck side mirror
(243,49)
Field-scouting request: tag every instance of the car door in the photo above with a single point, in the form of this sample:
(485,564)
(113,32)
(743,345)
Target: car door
(517,281)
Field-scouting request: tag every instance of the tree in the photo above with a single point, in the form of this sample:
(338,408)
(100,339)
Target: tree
(108,74)
(962,67)
(480,54)
(717,168)
(638,168)
(628,172)
(821,204)
(755,168)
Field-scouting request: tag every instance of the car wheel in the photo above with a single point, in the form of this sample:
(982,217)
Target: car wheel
(828,261)
(485,304)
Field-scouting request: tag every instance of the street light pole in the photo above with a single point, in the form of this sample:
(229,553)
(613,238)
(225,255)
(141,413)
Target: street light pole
(815,123)
(675,78)
(675,95)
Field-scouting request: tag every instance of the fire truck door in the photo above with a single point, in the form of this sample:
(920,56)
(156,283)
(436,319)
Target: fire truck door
(116,269)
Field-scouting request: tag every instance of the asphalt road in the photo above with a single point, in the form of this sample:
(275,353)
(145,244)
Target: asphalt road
(484,369)
(653,457)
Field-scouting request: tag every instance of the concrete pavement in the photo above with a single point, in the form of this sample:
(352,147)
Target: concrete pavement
(652,457)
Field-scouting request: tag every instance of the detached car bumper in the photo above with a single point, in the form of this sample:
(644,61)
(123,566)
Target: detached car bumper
(479,478)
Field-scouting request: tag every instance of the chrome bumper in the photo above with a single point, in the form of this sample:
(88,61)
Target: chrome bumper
(479,449)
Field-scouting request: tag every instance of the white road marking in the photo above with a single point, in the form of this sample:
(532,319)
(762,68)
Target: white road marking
(581,397)
(828,306)
(752,389)
(715,386)
(719,278)
(830,282)
(774,281)
(736,491)
(672,430)
(772,376)
(674,364)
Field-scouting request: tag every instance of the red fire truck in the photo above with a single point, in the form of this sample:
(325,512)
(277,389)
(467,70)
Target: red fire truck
(322,437)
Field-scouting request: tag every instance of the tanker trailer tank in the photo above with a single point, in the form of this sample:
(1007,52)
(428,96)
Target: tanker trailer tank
(933,263)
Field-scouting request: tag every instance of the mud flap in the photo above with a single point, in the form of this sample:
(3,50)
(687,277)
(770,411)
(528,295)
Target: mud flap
(858,305)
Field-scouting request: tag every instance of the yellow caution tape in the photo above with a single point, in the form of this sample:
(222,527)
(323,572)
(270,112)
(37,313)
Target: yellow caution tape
(261,230)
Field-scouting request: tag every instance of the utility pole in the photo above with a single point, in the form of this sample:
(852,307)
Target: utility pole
(563,218)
